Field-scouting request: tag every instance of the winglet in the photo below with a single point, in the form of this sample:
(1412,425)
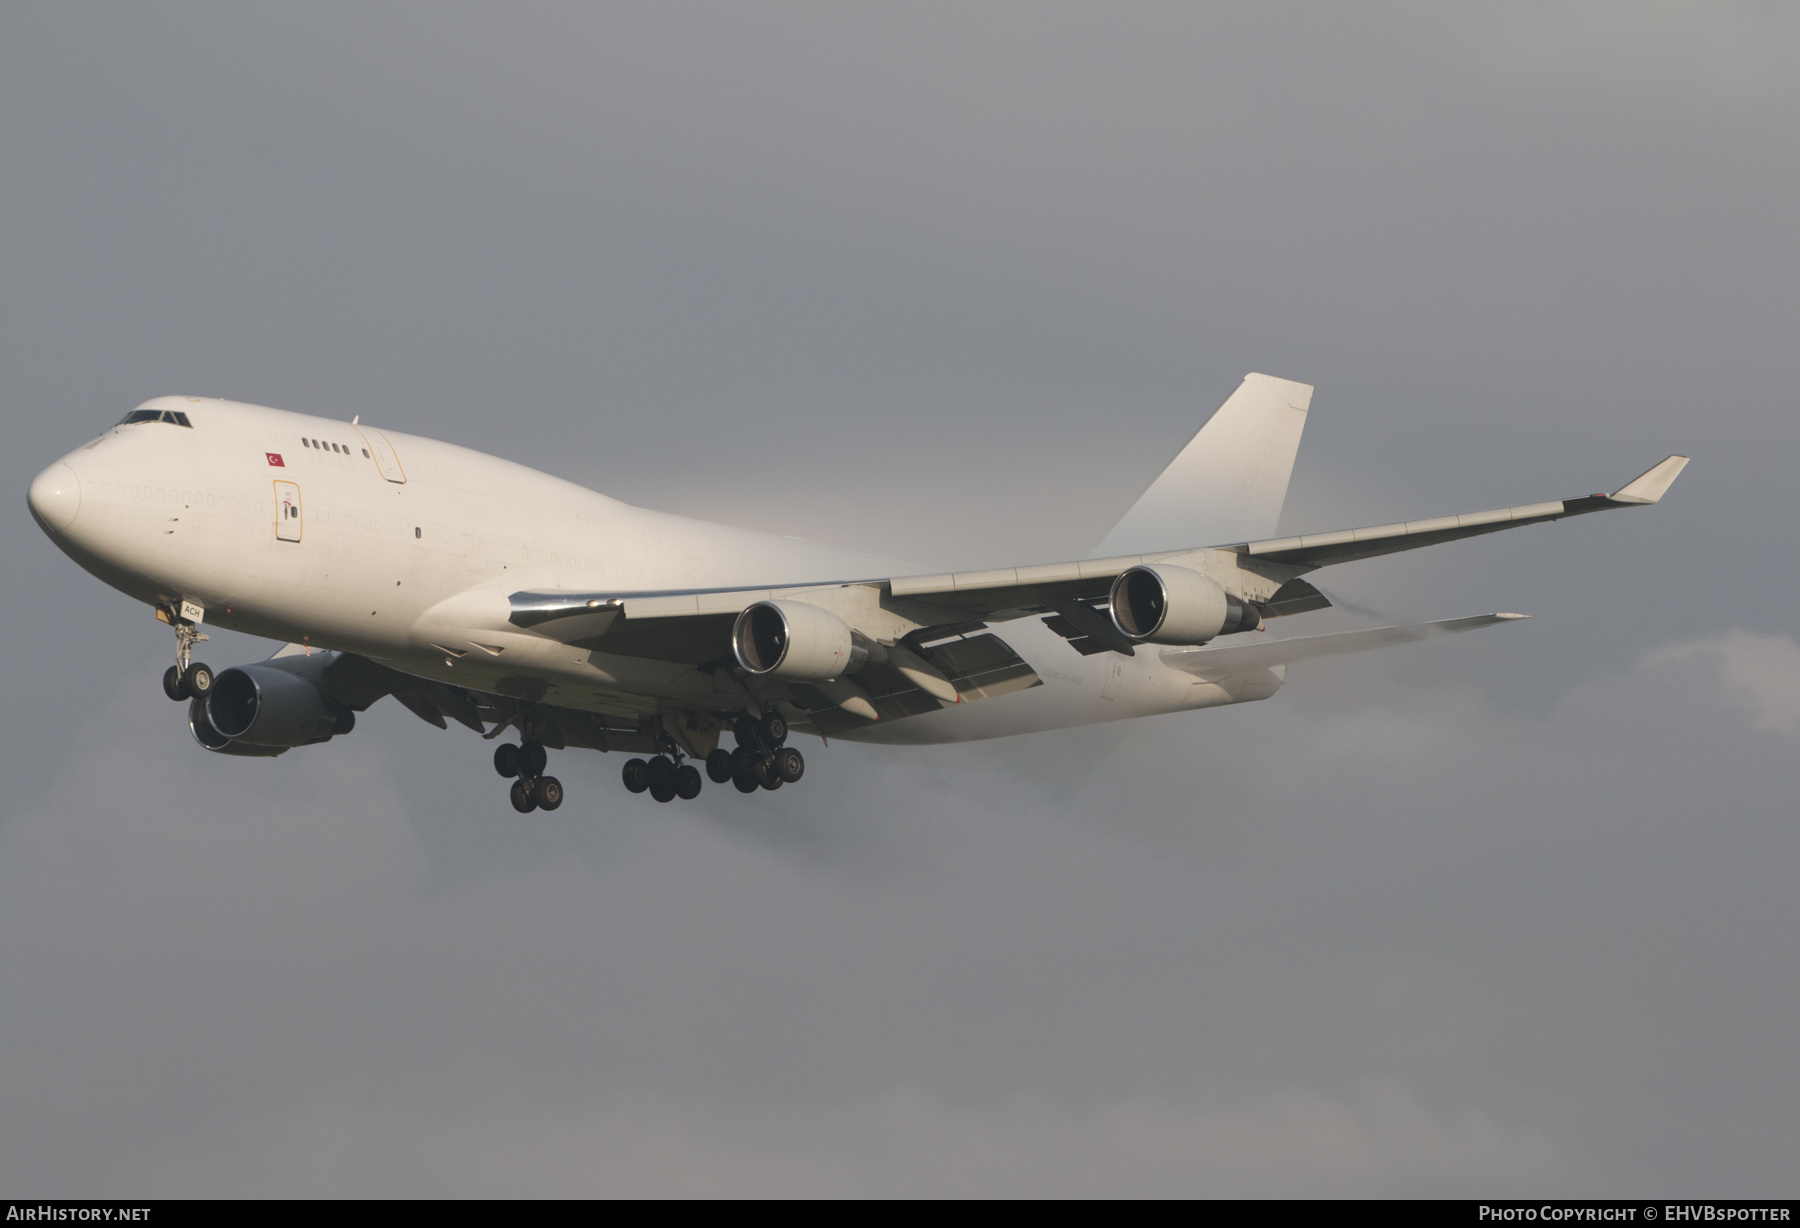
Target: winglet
(1651,486)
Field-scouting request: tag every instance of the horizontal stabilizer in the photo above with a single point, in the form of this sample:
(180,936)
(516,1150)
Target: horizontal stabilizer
(1215,663)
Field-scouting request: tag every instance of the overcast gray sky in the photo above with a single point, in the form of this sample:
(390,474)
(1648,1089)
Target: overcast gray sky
(1512,914)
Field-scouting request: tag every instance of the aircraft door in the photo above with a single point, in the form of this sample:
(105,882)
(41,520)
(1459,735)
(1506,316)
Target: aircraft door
(288,522)
(383,454)
(1115,674)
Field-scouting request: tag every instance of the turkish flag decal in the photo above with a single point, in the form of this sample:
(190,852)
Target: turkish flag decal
(275,460)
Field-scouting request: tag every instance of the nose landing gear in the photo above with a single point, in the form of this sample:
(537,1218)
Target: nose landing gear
(187,678)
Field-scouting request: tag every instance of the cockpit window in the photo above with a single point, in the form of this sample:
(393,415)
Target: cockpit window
(172,417)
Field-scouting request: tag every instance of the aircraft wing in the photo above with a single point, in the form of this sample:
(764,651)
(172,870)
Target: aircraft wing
(1321,549)
(694,625)
(936,626)
(1216,663)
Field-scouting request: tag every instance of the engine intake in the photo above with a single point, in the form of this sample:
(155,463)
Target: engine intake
(798,640)
(1163,604)
(262,706)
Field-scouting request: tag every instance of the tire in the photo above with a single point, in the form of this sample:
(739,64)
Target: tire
(772,729)
(790,765)
(506,759)
(771,782)
(172,684)
(547,792)
(532,759)
(197,680)
(719,766)
(744,782)
(745,733)
(522,799)
(687,782)
(637,775)
(663,790)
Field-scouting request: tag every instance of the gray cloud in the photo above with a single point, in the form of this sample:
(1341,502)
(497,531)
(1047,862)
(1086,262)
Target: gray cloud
(1509,913)
(1395,939)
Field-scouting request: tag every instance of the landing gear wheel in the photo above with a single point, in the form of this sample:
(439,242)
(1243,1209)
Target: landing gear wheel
(745,732)
(506,759)
(790,765)
(744,782)
(637,775)
(172,684)
(547,792)
(771,782)
(762,772)
(687,782)
(718,766)
(522,799)
(532,759)
(662,778)
(197,680)
(772,729)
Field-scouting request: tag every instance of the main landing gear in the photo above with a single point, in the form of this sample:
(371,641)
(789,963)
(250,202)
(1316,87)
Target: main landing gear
(759,762)
(187,678)
(662,778)
(532,790)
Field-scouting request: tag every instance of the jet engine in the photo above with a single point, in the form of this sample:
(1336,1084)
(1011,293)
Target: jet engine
(797,640)
(264,710)
(204,733)
(1162,604)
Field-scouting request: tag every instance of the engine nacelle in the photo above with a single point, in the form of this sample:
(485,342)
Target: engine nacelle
(271,709)
(1162,604)
(202,728)
(797,640)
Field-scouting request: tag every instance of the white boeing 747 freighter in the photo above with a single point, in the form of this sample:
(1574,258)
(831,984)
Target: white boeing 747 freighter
(476,590)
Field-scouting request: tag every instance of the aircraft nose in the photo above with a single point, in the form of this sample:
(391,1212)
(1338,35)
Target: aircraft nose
(56,497)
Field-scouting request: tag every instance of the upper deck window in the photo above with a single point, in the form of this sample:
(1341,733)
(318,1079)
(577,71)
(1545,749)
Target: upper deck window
(171,416)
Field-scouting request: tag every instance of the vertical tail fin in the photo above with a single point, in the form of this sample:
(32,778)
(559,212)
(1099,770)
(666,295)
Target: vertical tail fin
(1228,484)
